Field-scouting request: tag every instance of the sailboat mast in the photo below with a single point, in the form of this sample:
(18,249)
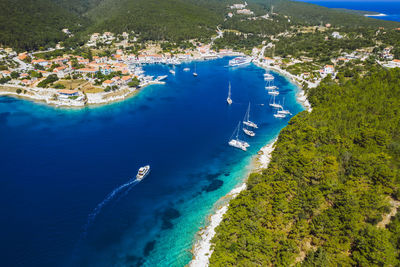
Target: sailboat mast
(229,94)
(237,133)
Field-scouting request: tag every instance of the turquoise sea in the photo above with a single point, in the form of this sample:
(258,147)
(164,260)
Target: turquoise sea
(61,198)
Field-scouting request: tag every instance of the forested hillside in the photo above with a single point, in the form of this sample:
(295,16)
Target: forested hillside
(172,20)
(29,24)
(333,176)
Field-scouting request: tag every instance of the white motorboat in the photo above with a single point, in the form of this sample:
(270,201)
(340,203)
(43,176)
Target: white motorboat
(143,172)
(186,69)
(229,99)
(172,72)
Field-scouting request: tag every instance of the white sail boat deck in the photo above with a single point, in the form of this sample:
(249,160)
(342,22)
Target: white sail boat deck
(274,104)
(247,121)
(236,142)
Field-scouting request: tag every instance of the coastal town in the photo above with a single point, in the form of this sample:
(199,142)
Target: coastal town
(108,67)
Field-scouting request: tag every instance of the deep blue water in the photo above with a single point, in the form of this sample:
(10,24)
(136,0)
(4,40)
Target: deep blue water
(389,7)
(57,165)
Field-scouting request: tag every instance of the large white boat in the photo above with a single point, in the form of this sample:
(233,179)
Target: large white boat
(248,132)
(237,61)
(274,104)
(279,115)
(283,111)
(236,142)
(228,99)
(247,121)
(273,92)
(268,77)
(143,172)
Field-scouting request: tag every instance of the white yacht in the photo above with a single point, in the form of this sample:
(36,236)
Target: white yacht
(236,142)
(186,69)
(283,111)
(268,77)
(172,72)
(229,99)
(237,61)
(275,105)
(273,92)
(279,115)
(247,121)
(143,172)
(249,132)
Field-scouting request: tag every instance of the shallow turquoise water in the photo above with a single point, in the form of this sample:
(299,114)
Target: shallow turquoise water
(60,164)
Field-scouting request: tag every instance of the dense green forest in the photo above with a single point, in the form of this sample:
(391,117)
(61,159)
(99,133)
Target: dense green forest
(333,175)
(29,24)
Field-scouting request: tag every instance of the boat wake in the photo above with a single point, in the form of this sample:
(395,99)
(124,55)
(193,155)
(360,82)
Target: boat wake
(115,192)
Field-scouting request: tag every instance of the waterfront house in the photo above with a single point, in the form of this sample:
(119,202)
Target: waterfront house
(6,73)
(40,62)
(108,83)
(268,61)
(126,79)
(329,69)
(66,93)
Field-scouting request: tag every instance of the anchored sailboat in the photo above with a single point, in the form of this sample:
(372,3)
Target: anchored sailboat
(195,73)
(268,77)
(228,99)
(247,121)
(283,111)
(236,142)
(275,105)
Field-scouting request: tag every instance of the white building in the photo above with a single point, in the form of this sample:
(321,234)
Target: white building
(337,35)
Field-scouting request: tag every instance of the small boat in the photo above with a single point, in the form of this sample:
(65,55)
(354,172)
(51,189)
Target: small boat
(236,142)
(160,78)
(246,120)
(279,115)
(195,73)
(274,92)
(275,105)
(172,72)
(283,111)
(186,69)
(228,99)
(249,132)
(268,77)
(143,172)
(271,87)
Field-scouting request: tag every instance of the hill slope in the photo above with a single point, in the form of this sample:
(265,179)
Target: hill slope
(155,19)
(28,24)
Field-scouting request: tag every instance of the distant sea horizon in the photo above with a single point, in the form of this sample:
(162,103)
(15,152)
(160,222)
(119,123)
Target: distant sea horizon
(390,9)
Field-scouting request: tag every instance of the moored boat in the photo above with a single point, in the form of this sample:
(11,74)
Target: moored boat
(237,61)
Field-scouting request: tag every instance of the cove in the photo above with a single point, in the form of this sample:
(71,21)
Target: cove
(58,165)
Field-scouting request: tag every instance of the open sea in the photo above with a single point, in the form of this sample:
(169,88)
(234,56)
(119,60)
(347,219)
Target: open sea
(391,8)
(67,197)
